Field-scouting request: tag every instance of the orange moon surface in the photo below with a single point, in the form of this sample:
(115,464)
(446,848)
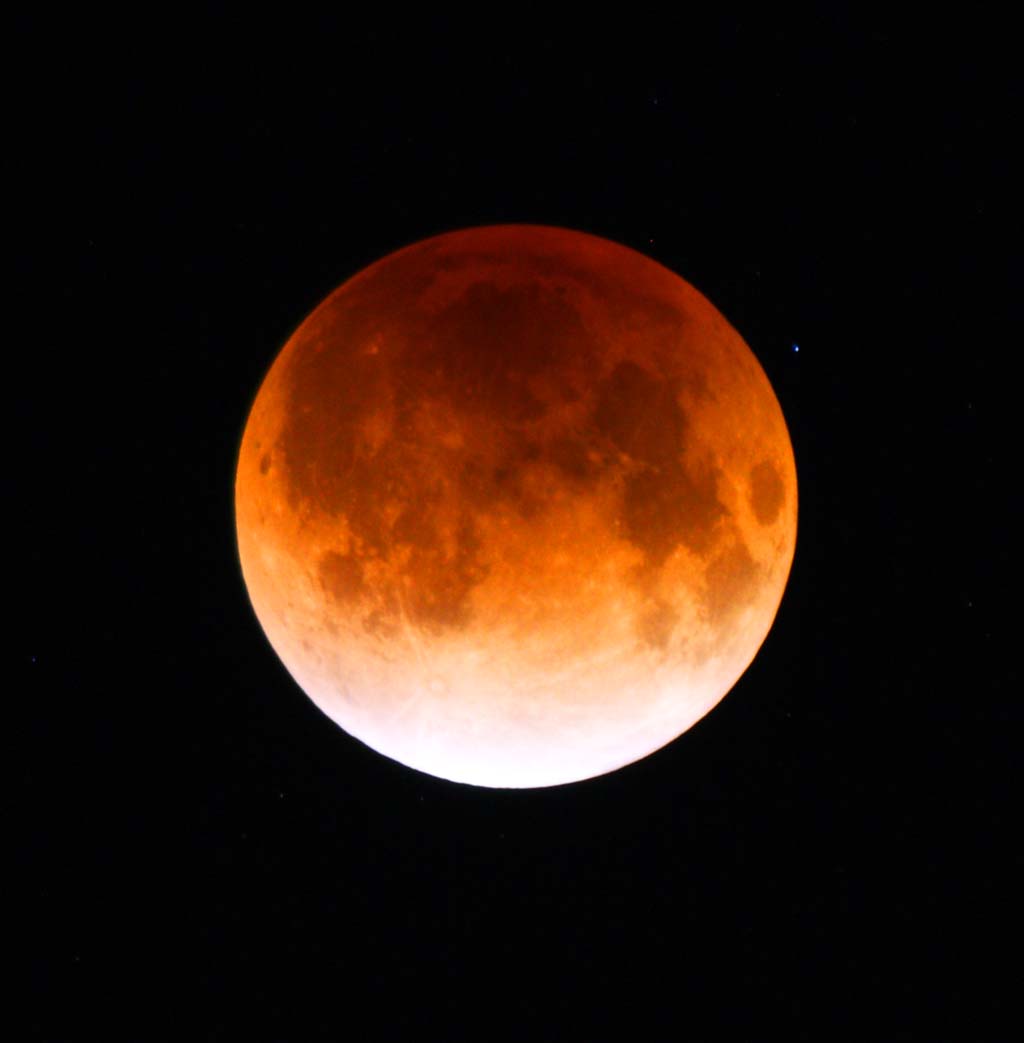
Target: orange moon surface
(516,506)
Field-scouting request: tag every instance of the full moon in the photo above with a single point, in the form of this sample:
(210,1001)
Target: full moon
(516,506)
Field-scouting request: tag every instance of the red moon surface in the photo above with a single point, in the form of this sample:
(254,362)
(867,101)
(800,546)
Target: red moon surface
(516,506)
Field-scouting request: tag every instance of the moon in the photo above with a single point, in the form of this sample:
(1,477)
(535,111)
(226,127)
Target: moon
(516,506)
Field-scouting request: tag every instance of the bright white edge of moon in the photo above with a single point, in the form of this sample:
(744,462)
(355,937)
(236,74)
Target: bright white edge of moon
(429,710)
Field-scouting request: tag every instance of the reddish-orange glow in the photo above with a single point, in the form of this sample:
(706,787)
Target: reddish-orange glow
(516,506)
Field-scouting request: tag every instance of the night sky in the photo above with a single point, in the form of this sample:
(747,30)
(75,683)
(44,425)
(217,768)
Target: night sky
(831,853)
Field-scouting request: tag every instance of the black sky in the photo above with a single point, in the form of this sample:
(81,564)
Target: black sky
(831,853)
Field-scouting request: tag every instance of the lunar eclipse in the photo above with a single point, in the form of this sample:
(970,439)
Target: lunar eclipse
(516,506)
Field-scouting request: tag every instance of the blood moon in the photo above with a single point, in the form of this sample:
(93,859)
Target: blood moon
(516,506)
